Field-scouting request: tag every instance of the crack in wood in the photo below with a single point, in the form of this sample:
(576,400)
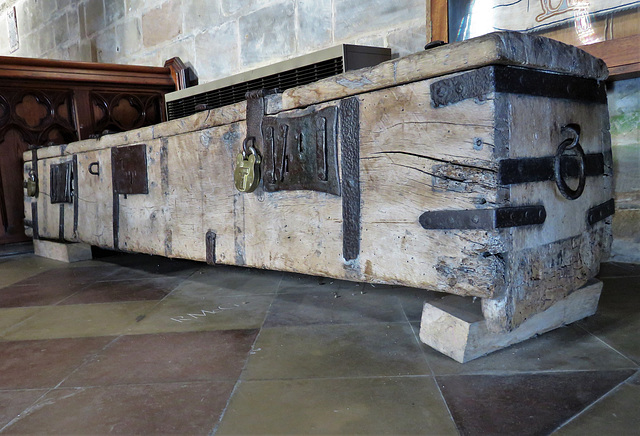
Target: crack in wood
(439,123)
(406,153)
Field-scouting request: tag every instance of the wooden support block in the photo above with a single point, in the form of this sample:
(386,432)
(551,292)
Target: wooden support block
(455,326)
(64,252)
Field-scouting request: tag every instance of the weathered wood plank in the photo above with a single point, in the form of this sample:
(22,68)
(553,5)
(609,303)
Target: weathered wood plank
(143,218)
(200,195)
(503,48)
(198,121)
(95,199)
(538,277)
(432,161)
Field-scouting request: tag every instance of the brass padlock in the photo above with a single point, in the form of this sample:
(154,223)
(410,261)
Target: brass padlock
(32,185)
(247,172)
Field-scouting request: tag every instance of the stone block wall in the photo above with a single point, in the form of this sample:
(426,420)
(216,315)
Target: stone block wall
(216,37)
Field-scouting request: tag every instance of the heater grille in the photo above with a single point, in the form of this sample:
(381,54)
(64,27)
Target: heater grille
(281,76)
(235,93)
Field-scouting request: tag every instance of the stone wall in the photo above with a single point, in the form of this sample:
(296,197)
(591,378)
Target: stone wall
(216,37)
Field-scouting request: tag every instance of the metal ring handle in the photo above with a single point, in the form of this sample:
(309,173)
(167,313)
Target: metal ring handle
(96,171)
(565,190)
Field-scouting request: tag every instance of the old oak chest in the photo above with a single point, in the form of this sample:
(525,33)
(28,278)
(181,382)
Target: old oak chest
(480,169)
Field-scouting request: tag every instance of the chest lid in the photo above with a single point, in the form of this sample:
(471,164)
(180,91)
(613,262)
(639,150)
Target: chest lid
(498,48)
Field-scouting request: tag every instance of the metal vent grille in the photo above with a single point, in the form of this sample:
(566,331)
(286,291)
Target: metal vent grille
(235,93)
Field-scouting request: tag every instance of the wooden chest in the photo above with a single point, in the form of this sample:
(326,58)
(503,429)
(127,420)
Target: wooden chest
(480,169)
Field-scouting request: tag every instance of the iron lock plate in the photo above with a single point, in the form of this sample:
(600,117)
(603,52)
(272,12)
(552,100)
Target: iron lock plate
(300,152)
(61,179)
(129,169)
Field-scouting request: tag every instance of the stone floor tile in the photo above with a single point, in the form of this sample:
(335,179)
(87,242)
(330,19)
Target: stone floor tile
(566,348)
(619,269)
(615,414)
(620,297)
(175,368)
(167,408)
(523,404)
(388,405)
(63,276)
(357,350)
(234,281)
(184,312)
(37,294)
(15,401)
(413,299)
(10,318)
(18,268)
(44,363)
(617,320)
(80,320)
(132,266)
(621,334)
(292,282)
(193,290)
(123,290)
(168,357)
(340,307)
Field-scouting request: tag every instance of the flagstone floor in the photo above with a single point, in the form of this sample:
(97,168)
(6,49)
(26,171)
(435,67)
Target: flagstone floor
(135,344)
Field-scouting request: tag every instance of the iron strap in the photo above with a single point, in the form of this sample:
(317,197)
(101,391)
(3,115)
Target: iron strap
(76,194)
(350,164)
(503,217)
(483,219)
(515,80)
(601,211)
(300,151)
(541,169)
(210,243)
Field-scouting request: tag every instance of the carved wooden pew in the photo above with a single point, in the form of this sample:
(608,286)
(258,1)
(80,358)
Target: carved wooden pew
(46,102)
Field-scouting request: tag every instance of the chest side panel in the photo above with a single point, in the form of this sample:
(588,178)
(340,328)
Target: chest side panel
(417,158)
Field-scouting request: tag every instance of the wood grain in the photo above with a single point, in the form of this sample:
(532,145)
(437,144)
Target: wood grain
(503,48)
(95,194)
(622,56)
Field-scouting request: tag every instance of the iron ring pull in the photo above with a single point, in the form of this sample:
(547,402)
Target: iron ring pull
(94,168)
(570,144)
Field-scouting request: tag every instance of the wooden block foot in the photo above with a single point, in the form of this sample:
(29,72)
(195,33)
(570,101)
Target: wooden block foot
(62,251)
(455,326)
